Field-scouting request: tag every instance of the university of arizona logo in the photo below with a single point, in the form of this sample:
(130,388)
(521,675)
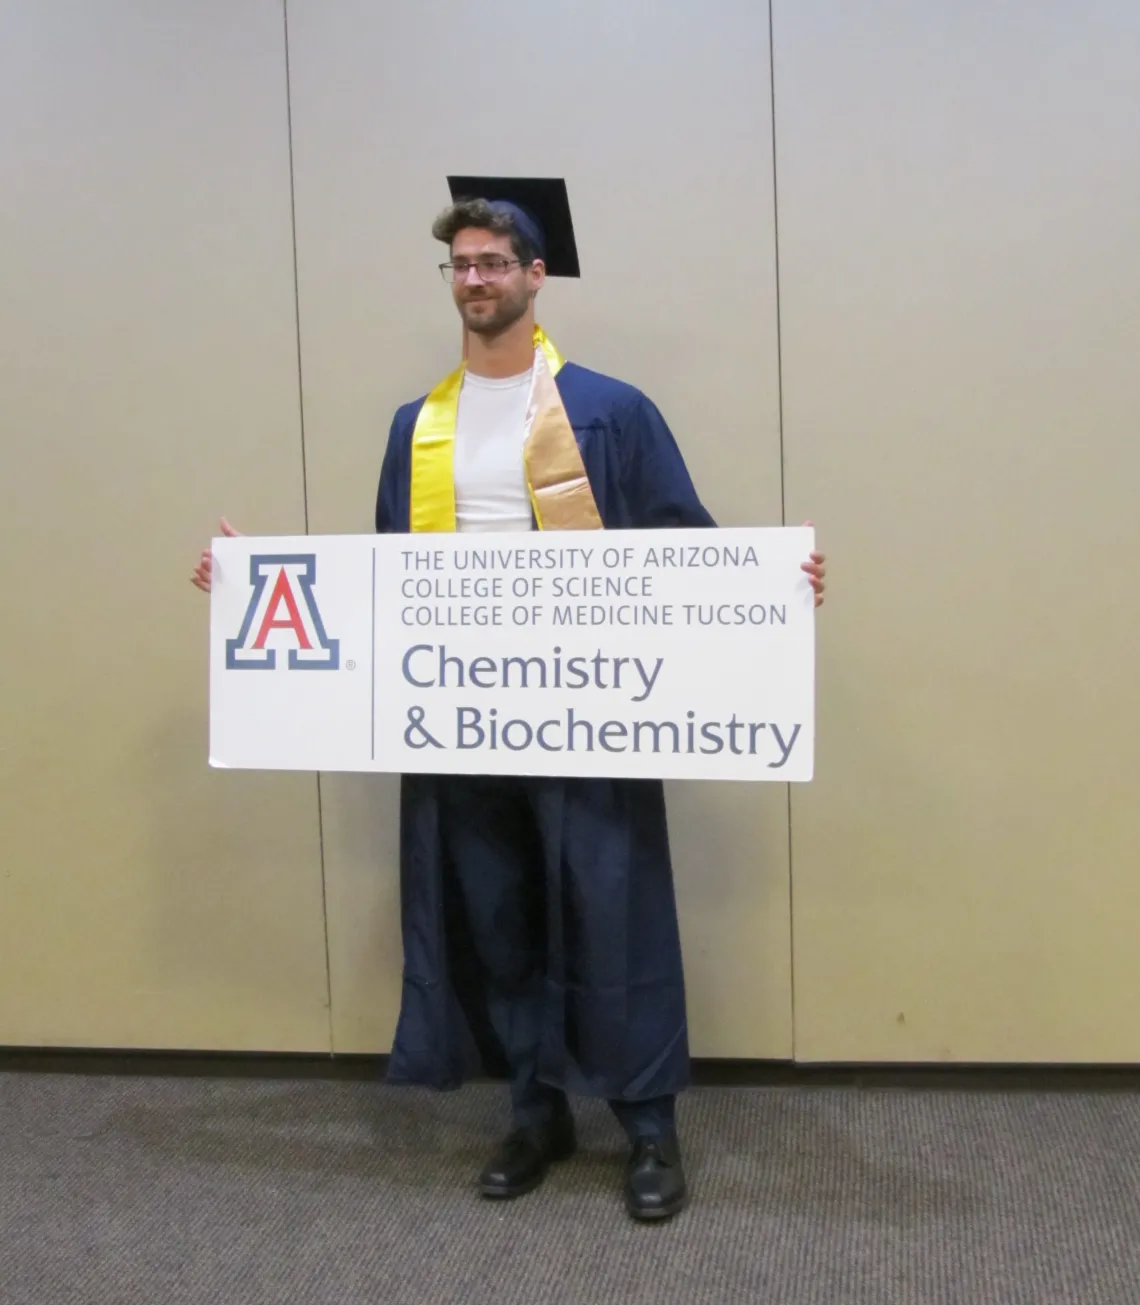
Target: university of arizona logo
(282,600)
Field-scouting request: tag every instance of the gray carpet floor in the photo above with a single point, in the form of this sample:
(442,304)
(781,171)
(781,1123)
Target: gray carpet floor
(152,1191)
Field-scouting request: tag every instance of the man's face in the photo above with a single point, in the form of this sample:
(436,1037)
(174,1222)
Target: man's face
(489,306)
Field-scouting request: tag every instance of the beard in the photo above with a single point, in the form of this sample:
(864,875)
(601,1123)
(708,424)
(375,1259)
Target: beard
(493,314)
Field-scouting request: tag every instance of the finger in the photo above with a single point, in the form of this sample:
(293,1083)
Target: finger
(227,529)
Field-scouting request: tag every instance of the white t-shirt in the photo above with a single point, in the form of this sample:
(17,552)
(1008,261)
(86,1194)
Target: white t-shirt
(490,430)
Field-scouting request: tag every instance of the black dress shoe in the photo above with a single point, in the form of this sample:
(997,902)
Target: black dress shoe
(655,1178)
(520,1164)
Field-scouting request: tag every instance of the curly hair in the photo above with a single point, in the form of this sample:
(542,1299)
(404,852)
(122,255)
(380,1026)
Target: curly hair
(481,215)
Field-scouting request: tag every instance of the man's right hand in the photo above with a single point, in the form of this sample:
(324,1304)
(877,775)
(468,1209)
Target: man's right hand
(204,572)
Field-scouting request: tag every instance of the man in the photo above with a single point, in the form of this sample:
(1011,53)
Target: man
(539,924)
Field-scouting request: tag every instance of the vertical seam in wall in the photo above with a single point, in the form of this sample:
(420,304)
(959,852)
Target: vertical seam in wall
(776,252)
(305,490)
(783,483)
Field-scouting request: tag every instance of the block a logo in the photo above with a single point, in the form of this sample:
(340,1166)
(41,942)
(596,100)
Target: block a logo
(282,600)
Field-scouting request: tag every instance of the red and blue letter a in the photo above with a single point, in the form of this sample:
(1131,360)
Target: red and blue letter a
(282,613)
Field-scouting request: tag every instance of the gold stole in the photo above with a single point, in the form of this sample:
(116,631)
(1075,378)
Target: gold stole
(556,477)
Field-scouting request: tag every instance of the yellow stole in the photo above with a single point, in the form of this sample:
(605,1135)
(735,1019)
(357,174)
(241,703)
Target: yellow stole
(556,477)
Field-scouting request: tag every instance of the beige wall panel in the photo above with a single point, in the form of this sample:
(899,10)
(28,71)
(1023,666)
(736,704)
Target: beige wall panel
(149,382)
(657,115)
(960,278)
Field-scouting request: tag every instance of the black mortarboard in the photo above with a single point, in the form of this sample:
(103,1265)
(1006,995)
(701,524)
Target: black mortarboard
(541,209)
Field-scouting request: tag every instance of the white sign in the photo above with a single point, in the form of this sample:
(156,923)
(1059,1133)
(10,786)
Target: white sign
(678,654)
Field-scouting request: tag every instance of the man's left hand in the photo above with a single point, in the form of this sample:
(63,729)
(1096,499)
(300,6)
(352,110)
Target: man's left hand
(816,570)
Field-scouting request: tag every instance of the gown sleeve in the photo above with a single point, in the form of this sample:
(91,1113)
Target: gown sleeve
(657,487)
(392,494)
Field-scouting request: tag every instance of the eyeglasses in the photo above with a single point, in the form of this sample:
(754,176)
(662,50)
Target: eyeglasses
(491,267)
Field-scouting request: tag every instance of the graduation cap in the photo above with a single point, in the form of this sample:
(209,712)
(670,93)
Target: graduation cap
(540,208)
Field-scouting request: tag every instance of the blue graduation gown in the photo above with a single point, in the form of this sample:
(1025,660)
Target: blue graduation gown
(614,1020)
